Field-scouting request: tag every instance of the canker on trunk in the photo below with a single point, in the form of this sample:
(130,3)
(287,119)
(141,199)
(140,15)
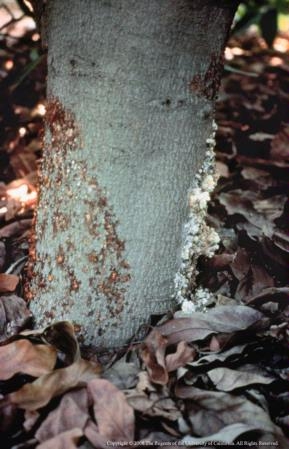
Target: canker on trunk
(131,87)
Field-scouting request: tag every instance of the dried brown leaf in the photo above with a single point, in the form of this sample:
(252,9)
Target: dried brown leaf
(261,279)
(181,357)
(31,417)
(226,379)
(8,282)
(72,412)
(92,434)
(219,262)
(210,411)
(144,384)
(154,404)
(224,319)
(14,315)
(238,201)
(15,228)
(242,202)
(241,264)
(21,356)
(222,169)
(214,344)
(281,240)
(272,207)
(62,336)
(65,440)
(260,177)
(231,354)
(257,280)
(37,394)
(113,414)
(276,253)
(274,294)
(153,355)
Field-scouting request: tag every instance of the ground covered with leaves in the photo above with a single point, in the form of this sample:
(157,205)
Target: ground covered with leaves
(217,378)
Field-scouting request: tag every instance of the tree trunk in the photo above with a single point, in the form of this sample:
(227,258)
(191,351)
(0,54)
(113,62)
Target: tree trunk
(131,87)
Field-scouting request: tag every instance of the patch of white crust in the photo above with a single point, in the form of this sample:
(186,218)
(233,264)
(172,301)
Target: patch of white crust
(199,238)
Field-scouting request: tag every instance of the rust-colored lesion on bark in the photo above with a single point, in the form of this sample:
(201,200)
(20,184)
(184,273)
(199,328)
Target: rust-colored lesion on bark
(207,84)
(112,285)
(65,133)
(111,270)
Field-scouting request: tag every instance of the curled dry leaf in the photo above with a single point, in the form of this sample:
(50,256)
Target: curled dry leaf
(62,336)
(256,280)
(260,177)
(8,282)
(37,394)
(92,434)
(242,203)
(225,319)
(31,417)
(272,207)
(65,440)
(230,355)
(181,357)
(281,241)
(226,379)
(222,169)
(14,315)
(151,400)
(210,411)
(153,404)
(15,228)
(113,414)
(153,355)
(72,412)
(241,264)
(220,261)
(274,294)
(144,384)
(261,279)
(21,356)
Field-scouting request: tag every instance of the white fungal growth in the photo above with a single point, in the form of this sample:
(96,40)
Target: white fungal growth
(202,298)
(188,306)
(199,238)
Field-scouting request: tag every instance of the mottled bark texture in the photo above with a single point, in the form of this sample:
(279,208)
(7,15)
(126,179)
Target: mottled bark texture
(131,86)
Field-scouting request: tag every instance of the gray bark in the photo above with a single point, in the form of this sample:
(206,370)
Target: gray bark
(131,87)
